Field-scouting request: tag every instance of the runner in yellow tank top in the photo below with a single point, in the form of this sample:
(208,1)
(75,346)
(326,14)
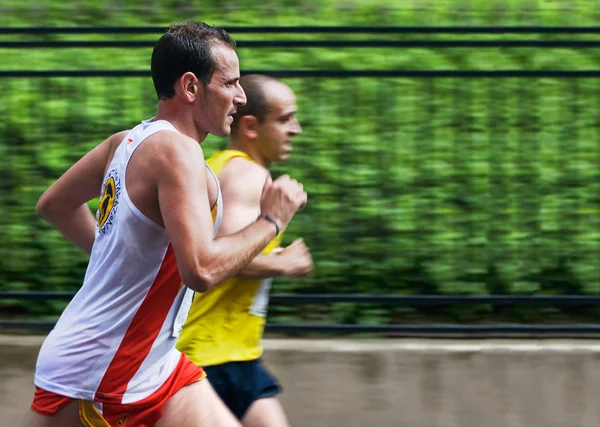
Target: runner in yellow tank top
(225,325)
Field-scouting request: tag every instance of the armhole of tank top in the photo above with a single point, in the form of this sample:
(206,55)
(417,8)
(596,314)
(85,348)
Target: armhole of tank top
(218,202)
(128,200)
(214,175)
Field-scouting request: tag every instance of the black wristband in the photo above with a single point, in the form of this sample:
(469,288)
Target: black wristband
(270,219)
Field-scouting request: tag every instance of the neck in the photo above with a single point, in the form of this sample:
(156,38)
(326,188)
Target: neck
(250,149)
(180,117)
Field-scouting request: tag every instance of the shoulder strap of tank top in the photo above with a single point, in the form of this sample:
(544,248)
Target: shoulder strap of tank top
(136,136)
(149,128)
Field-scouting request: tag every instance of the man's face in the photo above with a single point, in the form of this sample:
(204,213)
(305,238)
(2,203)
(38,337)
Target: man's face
(223,95)
(279,126)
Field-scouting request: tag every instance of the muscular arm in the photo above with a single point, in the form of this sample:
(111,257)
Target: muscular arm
(203,260)
(294,260)
(241,184)
(262,267)
(64,204)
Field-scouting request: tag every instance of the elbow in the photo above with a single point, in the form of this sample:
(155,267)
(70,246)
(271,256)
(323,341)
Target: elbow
(200,281)
(43,206)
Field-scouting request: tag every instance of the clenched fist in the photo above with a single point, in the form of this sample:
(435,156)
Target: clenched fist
(297,261)
(281,199)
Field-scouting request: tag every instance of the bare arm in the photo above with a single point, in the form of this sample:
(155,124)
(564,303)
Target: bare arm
(204,261)
(262,266)
(64,204)
(241,184)
(293,261)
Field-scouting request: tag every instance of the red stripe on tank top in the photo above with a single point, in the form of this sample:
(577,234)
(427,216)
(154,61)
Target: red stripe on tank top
(142,332)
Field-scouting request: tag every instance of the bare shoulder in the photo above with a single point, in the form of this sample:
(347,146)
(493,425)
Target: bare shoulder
(171,148)
(242,183)
(114,140)
(242,175)
(117,138)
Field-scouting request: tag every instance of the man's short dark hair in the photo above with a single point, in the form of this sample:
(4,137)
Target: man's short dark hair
(256,101)
(186,46)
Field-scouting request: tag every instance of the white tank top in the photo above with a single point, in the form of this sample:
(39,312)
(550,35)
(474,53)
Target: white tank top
(115,341)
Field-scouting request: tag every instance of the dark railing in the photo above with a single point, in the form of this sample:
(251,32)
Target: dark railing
(388,329)
(406,300)
(318,44)
(319,30)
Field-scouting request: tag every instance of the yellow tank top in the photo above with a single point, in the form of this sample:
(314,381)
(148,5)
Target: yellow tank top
(226,323)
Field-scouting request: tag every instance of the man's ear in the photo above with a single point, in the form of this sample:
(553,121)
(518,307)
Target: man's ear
(248,126)
(190,86)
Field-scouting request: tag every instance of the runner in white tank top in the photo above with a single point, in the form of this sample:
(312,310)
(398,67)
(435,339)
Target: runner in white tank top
(111,359)
(116,340)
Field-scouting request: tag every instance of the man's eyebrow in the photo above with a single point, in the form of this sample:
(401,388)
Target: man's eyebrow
(288,113)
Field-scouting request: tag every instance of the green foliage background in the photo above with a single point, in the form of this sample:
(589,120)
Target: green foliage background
(416,186)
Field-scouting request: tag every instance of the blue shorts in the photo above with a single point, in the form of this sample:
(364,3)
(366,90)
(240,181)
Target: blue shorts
(239,384)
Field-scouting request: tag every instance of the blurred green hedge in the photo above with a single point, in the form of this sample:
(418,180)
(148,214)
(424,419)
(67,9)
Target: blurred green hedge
(416,186)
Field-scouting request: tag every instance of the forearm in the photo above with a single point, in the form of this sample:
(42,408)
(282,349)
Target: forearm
(78,226)
(229,254)
(262,267)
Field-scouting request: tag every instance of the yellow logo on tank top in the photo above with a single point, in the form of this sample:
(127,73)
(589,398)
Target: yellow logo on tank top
(109,200)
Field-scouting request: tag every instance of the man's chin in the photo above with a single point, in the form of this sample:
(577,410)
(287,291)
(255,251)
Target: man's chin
(223,132)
